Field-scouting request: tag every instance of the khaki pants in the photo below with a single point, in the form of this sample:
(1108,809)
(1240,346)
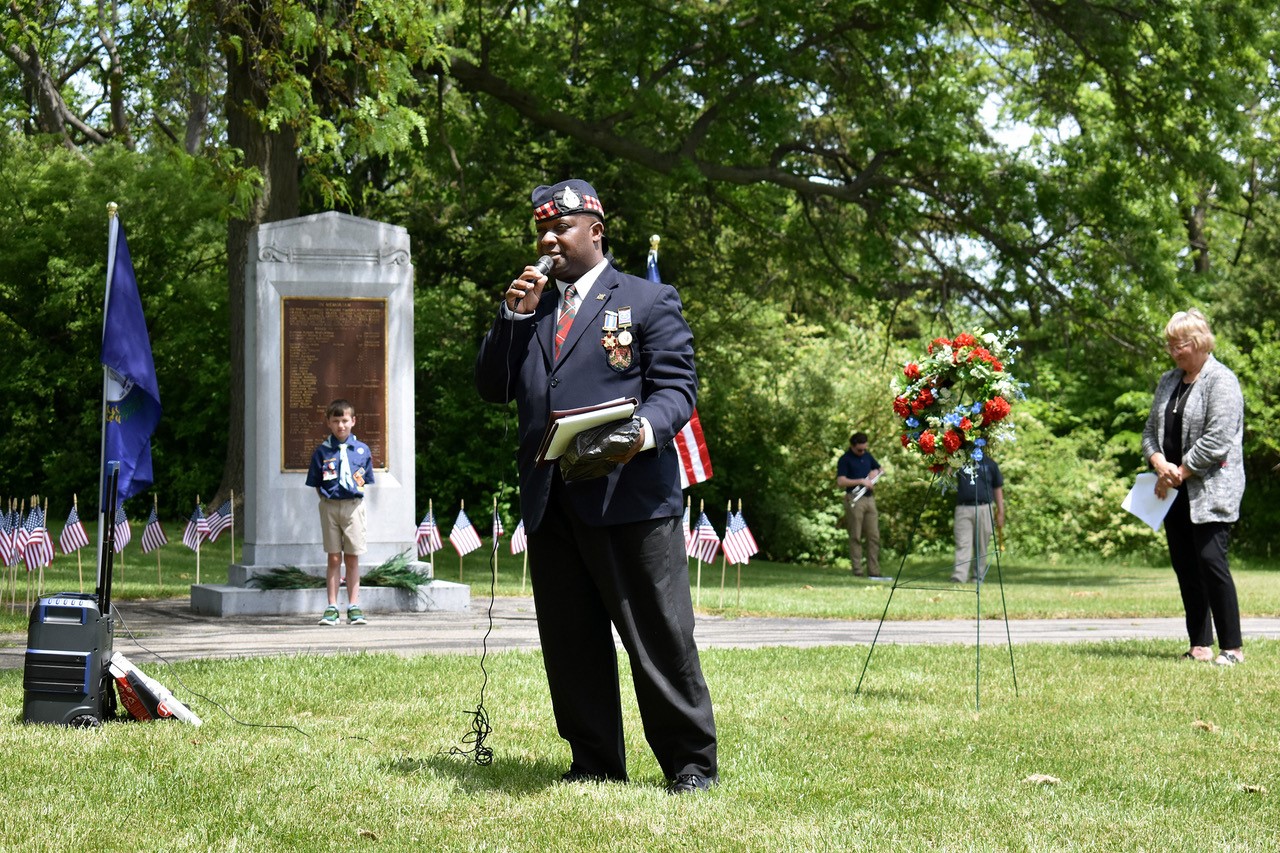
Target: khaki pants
(973,541)
(861,519)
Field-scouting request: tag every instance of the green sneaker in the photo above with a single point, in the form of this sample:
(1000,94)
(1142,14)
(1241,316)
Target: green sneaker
(330,616)
(355,616)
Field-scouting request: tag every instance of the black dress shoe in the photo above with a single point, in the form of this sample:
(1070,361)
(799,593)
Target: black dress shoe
(691,783)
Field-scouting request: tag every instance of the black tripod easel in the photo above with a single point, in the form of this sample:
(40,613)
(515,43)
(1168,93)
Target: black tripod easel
(925,580)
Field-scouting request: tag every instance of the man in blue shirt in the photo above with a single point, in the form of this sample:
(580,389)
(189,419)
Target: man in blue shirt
(976,490)
(857,473)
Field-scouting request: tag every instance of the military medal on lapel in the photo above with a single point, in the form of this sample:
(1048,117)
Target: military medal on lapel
(617,338)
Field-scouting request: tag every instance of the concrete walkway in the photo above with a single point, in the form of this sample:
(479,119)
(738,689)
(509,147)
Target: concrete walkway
(170,629)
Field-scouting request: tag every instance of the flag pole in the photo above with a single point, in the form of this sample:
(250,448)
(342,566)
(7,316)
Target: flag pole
(724,555)
(113,232)
(697,599)
(739,564)
(75,503)
(462,505)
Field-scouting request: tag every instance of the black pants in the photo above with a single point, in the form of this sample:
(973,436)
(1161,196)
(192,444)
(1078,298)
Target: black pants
(634,577)
(1199,556)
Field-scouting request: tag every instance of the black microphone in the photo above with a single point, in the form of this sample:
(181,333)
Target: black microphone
(543,264)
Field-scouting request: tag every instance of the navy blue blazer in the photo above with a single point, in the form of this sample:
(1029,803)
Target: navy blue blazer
(516,362)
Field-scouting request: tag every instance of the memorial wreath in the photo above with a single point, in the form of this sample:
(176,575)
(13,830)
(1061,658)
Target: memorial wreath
(955,401)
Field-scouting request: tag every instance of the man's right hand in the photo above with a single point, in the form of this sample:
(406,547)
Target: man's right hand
(523,294)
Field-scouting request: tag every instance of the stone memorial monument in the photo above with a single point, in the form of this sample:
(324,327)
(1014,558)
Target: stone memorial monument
(328,314)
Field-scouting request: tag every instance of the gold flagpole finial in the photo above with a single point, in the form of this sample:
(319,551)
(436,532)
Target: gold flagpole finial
(653,243)
(112,207)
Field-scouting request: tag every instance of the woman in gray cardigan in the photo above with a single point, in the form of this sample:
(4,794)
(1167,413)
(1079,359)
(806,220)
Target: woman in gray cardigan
(1193,441)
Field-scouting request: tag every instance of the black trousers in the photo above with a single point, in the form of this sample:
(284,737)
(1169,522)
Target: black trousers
(1199,556)
(634,577)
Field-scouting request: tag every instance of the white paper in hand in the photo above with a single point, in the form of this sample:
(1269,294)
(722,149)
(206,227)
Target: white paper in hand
(1142,501)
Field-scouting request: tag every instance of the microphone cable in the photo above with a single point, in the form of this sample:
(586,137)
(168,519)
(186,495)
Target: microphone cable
(474,740)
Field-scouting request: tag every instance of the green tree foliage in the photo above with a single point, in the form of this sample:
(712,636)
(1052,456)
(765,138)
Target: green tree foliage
(51,295)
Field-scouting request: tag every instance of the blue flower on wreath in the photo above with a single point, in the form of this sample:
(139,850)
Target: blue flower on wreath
(952,419)
(977,407)
(979,442)
(912,422)
(977,453)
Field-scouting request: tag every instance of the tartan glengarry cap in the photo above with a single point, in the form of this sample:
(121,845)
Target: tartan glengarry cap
(571,196)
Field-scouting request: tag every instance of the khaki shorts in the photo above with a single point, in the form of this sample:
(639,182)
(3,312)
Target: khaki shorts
(342,526)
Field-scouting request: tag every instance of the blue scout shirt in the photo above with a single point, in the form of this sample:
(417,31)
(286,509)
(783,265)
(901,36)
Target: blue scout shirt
(326,469)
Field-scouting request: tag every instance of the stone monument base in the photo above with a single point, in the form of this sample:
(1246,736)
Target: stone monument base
(237,598)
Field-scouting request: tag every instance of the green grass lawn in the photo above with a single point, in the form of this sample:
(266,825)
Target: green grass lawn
(1148,753)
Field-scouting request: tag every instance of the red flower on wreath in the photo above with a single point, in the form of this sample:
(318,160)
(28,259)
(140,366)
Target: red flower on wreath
(937,342)
(966,424)
(906,440)
(994,410)
(927,442)
(912,371)
(951,441)
(901,407)
(964,339)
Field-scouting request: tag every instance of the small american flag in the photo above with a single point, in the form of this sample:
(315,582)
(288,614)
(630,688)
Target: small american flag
(429,535)
(735,549)
(38,550)
(197,529)
(6,539)
(153,534)
(220,519)
(498,529)
(73,536)
(464,536)
(746,537)
(124,533)
(519,541)
(705,541)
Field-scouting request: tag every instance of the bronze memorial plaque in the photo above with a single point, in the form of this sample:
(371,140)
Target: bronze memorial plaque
(333,348)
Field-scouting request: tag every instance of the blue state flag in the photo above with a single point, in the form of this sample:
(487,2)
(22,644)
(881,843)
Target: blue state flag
(131,396)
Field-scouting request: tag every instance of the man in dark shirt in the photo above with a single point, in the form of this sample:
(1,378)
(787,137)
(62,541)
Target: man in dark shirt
(856,473)
(975,492)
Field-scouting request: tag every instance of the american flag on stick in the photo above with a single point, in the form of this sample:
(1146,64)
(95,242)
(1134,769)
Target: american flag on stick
(735,548)
(74,537)
(705,540)
(220,519)
(124,533)
(519,540)
(429,535)
(464,537)
(197,529)
(153,534)
(38,550)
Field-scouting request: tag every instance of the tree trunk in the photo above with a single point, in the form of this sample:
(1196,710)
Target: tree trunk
(275,157)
